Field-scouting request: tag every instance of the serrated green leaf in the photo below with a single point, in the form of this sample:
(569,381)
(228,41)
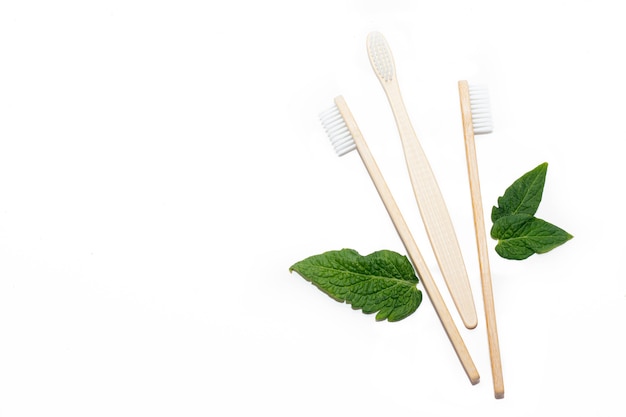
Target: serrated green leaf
(521,235)
(383,281)
(523,196)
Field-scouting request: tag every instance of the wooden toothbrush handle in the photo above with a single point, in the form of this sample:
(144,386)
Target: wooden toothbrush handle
(481,241)
(409,243)
(434,212)
(420,265)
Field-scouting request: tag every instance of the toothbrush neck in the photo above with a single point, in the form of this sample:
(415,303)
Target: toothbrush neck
(399,110)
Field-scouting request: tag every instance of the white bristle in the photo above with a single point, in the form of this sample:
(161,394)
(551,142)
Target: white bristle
(338,133)
(380,56)
(481,109)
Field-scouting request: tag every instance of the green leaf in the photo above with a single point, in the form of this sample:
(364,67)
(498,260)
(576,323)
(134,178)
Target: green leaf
(523,196)
(521,235)
(383,281)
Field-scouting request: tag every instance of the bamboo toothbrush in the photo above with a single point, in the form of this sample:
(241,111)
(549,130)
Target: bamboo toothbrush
(475,112)
(345,136)
(427,193)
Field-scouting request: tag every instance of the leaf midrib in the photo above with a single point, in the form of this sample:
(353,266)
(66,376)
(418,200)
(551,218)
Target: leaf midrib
(516,210)
(409,283)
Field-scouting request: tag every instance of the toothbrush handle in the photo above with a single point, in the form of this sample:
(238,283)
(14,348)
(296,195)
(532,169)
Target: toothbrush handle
(409,243)
(420,265)
(481,241)
(434,212)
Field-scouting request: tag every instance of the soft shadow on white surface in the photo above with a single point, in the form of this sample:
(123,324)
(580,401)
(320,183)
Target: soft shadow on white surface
(162,166)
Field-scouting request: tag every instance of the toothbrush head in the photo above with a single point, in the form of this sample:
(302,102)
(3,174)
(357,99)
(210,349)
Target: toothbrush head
(380,56)
(482,122)
(336,126)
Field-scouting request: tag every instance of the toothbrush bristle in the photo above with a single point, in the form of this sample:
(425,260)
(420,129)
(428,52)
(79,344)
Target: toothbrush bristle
(481,109)
(337,130)
(380,56)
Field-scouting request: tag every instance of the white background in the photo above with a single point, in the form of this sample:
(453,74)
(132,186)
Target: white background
(162,167)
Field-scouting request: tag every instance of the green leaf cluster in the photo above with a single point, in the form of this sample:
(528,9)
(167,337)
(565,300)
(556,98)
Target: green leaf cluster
(518,232)
(383,282)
